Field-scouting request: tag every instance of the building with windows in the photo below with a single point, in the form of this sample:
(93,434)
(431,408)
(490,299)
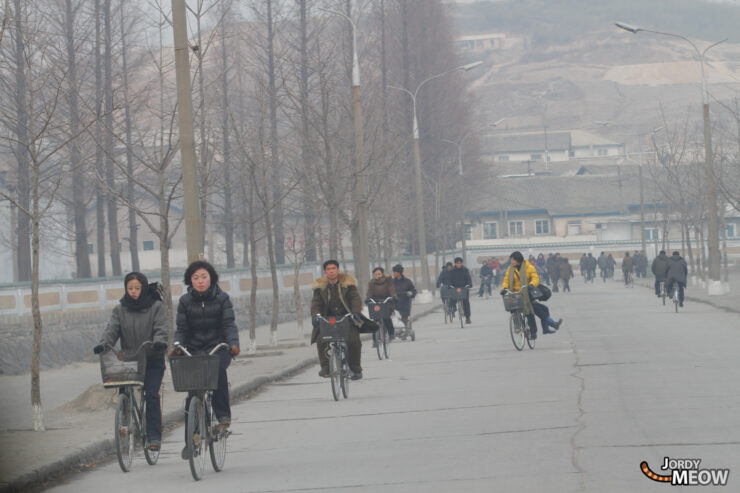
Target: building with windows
(549,146)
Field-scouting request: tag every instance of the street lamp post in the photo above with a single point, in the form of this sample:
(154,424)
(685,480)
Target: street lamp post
(362,265)
(417,168)
(715,287)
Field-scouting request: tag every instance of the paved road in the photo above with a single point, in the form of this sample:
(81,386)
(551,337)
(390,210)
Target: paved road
(625,380)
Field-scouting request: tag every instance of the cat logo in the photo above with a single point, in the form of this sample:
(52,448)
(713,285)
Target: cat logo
(686,472)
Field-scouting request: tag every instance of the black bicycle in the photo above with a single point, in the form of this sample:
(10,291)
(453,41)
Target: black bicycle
(335,333)
(455,302)
(514,303)
(379,311)
(125,371)
(198,375)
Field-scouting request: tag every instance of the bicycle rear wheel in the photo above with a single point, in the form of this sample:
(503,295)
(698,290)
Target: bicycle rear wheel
(124,433)
(530,342)
(152,456)
(344,375)
(460,314)
(196,437)
(335,369)
(217,442)
(517,333)
(386,342)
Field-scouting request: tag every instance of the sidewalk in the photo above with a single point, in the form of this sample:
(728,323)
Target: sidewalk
(695,293)
(79,428)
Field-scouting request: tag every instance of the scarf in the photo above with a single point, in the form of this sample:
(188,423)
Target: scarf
(522,274)
(149,293)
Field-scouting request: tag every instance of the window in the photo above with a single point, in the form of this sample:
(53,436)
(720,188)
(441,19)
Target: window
(574,228)
(730,231)
(468,232)
(603,152)
(90,248)
(535,157)
(516,228)
(651,234)
(571,154)
(489,231)
(148,245)
(542,227)
(503,157)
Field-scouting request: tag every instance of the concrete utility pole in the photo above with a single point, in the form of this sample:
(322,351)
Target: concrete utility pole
(715,285)
(194,239)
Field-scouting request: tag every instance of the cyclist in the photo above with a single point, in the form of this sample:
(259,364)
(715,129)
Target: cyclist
(486,274)
(379,288)
(444,280)
(205,319)
(677,273)
(659,269)
(405,292)
(335,295)
(521,269)
(626,267)
(459,277)
(141,317)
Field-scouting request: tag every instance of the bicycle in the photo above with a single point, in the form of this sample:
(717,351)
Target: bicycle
(455,301)
(379,311)
(662,291)
(673,288)
(445,295)
(485,282)
(335,332)
(126,371)
(629,280)
(514,303)
(198,375)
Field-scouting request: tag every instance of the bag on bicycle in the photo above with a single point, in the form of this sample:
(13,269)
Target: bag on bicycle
(365,326)
(540,293)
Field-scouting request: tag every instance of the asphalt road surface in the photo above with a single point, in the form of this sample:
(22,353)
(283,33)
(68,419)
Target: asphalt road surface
(625,380)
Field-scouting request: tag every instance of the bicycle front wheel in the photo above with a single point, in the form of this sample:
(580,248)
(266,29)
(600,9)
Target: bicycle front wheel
(344,374)
(217,443)
(460,314)
(152,456)
(335,368)
(196,437)
(386,342)
(517,332)
(124,432)
(377,338)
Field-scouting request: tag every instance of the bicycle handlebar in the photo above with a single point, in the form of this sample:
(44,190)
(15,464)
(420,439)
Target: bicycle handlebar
(379,302)
(127,354)
(338,320)
(213,351)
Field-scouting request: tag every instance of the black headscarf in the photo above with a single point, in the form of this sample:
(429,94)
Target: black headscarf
(148,294)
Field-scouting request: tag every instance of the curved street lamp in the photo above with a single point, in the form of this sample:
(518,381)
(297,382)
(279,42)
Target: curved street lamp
(715,287)
(417,166)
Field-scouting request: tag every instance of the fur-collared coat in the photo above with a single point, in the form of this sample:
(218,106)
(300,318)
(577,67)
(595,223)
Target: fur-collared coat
(322,305)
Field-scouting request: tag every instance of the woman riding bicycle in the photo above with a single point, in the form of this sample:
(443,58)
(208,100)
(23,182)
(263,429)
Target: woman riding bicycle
(379,289)
(205,318)
(141,317)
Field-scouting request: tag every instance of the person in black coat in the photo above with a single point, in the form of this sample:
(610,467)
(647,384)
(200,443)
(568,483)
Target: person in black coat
(459,277)
(678,273)
(405,292)
(486,275)
(205,318)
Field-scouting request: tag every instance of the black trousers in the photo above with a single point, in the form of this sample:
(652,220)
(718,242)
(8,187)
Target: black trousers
(669,288)
(466,306)
(657,286)
(152,384)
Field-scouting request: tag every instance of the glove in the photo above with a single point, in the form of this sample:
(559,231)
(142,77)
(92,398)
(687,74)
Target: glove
(502,292)
(409,294)
(235,350)
(368,300)
(98,349)
(394,299)
(315,321)
(356,317)
(159,347)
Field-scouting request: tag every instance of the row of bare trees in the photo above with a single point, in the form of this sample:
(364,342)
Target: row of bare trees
(89,135)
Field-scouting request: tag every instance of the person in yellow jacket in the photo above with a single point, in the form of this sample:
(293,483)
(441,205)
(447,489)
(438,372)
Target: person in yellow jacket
(512,282)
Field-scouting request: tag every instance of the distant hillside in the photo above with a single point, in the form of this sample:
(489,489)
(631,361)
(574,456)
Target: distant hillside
(548,21)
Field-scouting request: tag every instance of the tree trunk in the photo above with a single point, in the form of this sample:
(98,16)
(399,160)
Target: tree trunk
(309,218)
(279,239)
(38,413)
(164,254)
(228,223)
(99,194)
(115,254)
(297,298)
(82,258)
(203,161)
(273,276)
(21,131)
(133,237)
(252,270)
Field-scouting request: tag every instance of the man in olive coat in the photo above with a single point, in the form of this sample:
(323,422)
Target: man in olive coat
(660,270)
(336,295)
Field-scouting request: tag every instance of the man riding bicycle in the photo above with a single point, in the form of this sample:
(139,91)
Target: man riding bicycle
(459,277)
(486,276)
(659,269)
(677,273)
(405,292)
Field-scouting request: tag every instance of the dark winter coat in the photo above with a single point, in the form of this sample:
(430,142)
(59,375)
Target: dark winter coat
(135,327)
(677,269)
(602,262)
(660,267)
(404,286)
(460,278)
(346,300)
(486,270)
(553,268)
(627,264)
(443,279)
(380,289)
(565,270)
(204,321)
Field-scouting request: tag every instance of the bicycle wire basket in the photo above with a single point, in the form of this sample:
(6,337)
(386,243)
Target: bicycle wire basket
(459,293)
(513,301)
(119,372)
(379,311)
(194,373)
(330,332)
